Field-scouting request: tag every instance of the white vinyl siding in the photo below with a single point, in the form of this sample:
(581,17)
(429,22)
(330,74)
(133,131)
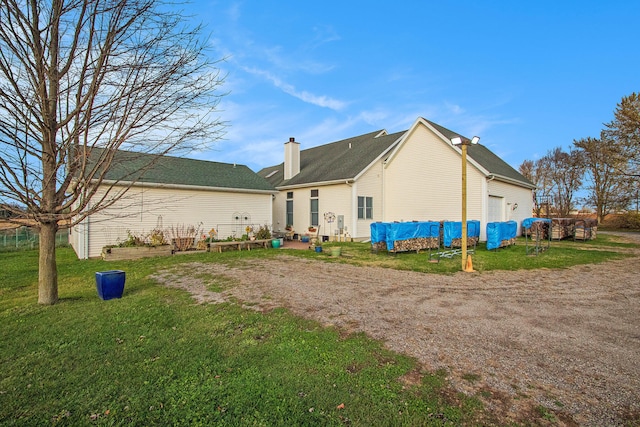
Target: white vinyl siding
(146,208)
(279,211)
(369,184)
(331,198)
(518,201)
(423,181)
(339,200)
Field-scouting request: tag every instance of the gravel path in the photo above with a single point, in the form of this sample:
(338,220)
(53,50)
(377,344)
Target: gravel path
(567,340)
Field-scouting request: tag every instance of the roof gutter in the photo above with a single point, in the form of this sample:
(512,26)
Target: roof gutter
(510,180)
(187,187)
(347,181)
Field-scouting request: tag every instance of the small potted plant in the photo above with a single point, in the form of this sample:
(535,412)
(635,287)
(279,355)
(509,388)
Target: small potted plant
(317,245)
(312,229)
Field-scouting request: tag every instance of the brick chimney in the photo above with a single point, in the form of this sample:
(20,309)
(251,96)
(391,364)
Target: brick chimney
(291,158)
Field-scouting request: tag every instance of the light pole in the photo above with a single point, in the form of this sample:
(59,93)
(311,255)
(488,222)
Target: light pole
(464,143)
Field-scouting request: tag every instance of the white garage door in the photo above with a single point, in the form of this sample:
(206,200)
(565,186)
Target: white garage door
(496,209)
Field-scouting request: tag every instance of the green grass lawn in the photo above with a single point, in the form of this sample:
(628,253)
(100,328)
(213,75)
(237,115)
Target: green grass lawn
(155,358)
(561,254)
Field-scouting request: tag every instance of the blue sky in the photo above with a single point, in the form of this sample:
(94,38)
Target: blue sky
(524,76)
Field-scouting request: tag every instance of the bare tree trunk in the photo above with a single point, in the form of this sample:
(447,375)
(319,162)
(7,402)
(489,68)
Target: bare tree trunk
(48,270)
(599,214)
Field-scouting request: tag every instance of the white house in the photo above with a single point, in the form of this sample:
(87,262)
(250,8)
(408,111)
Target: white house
(405,176)
(176,193)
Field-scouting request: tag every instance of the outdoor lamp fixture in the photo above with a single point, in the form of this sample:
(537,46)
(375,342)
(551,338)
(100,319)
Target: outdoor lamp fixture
(463,143)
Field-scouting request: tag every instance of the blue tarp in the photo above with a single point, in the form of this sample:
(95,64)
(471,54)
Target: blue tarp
(453,230)
(411,230)
(378,232)
(527,222)
(392,231)
(497,232)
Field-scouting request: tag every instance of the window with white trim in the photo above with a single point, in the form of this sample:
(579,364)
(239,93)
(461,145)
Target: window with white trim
(314,208)
(290,208)
(365,207)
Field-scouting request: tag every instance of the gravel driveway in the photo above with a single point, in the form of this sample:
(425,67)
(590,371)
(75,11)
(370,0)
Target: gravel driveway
(567,340)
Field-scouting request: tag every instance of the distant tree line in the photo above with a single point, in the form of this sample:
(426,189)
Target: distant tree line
(605,168)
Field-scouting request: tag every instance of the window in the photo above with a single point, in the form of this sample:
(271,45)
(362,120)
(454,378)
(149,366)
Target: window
(314,208)
(290,212)
(365,207)
(289,194)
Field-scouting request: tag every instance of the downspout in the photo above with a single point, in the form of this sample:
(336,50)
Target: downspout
(383,193)
(86,237)
(354,201)
(484,219)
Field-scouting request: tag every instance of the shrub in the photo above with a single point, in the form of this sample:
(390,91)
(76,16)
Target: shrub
(133,239)
(157,237)
(263,233)
(628,221)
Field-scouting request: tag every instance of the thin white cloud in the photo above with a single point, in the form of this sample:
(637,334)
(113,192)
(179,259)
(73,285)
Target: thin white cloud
(454,108)
(323,34)
(281,60)
(308,97)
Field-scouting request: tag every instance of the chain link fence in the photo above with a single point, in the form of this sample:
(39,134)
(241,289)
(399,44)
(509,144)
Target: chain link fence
(26,238)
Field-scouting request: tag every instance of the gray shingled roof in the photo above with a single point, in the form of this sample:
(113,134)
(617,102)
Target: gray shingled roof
(340,160)
(128,166)
(485,157)
(345,159)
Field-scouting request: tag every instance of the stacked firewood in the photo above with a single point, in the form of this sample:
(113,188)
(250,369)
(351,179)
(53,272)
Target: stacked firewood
(585,229)
(582,233)
(457,242)
(416,244)
(379,246)
(507,242)
(539,230)
(561,228)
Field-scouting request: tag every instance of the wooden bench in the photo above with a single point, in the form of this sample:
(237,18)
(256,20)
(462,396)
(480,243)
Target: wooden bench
(248,244)
(265,243)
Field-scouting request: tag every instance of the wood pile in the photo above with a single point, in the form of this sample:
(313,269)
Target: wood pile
(561,228)
(457,242)
(539,230)
(416,244)
(507,242)
(585,229)
(582,233)
(379,246)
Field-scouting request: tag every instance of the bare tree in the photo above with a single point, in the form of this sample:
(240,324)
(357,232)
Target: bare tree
(529,169)
(83,79)
(540,172)
(560,175)
(607,187)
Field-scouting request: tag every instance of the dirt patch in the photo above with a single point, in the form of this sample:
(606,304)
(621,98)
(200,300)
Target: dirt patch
(561,344)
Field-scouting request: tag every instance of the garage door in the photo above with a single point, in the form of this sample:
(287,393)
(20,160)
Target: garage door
(496,209)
